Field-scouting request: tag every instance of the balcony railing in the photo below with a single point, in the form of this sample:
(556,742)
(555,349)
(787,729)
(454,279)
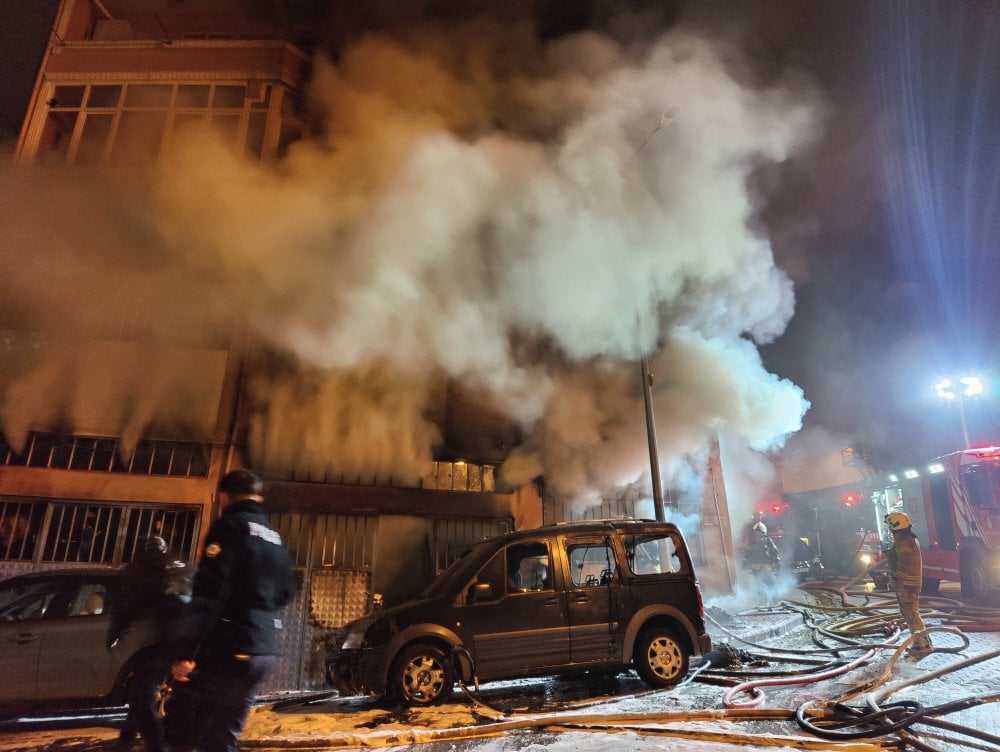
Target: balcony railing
(110,455)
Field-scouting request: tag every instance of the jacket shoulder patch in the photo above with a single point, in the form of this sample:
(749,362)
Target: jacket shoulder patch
(212,550)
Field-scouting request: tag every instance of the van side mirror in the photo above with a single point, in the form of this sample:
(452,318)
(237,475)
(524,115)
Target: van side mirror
(481,591)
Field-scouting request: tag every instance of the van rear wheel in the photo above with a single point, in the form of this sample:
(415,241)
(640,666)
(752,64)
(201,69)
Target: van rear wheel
(420,676)
(660,657)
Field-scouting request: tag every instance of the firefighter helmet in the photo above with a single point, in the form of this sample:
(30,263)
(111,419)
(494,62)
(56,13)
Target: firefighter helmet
(897,521)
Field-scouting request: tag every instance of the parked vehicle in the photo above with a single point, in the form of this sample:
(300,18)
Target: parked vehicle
(600,595)
(53,639)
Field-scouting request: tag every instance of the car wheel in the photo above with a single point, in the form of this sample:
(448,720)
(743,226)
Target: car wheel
(421,675)
(660,657)
(975,577)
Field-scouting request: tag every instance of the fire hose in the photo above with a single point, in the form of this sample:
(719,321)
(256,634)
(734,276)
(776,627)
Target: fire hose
(836,726)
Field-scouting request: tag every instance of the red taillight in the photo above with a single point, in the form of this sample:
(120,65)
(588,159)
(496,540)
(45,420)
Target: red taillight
(701,601)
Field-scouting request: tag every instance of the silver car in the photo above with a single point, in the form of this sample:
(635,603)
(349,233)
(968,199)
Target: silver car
(53,639)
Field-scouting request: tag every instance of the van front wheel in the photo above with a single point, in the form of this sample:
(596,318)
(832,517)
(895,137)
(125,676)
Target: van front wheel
(660,657)
(421,675)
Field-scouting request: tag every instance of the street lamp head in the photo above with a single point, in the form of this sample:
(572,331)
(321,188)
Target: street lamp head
(945,389)
(973,385)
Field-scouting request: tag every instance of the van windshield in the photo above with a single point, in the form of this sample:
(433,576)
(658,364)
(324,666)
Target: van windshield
(459,571)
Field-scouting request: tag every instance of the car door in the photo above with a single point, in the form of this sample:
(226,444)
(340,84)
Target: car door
(28,607)
(74,660)
(521,626)
(592,598)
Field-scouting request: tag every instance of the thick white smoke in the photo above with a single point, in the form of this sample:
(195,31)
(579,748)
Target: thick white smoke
(486,209)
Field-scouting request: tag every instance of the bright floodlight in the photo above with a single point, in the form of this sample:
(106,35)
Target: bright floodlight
(973,385)
(944,389)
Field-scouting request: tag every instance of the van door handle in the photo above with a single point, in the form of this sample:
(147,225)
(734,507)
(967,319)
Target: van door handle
(24,638)
(581,598)
(550,602)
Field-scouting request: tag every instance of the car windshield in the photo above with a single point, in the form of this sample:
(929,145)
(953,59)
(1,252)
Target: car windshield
(459,571)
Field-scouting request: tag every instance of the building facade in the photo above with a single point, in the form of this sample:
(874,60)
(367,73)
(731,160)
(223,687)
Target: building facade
(119,81)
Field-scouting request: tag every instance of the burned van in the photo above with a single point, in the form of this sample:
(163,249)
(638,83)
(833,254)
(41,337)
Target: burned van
(599,595)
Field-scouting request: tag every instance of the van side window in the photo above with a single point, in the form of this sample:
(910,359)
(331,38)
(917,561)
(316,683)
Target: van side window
(655,553)
(591,564)
(529,567)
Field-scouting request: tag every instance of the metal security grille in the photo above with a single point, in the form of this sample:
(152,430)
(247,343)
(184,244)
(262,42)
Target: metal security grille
(328,540)
(453,537)
(176,526)
(76,532)
(82,533)
(334,555)
(20,522)
(623,505)
(97,454)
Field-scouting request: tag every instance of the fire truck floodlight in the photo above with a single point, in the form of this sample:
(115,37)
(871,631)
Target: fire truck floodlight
(911,474)
(936,467)
(894,479)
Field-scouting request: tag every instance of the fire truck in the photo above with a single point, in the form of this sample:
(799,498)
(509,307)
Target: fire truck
(954,508)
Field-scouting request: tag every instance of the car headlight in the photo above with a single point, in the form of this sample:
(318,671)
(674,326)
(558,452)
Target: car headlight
(355,636)
(865,559)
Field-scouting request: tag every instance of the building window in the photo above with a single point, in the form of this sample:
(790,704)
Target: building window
(101,454)
(48,530)
(459,476)
(90,124)
(20,522)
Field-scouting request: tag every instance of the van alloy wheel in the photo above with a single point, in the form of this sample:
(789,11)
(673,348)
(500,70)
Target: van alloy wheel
(421,675)
(660,657)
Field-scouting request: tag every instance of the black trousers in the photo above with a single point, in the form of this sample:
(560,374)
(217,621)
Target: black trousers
(143,709)
(209,711)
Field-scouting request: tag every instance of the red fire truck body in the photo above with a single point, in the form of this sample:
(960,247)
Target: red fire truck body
(954,508)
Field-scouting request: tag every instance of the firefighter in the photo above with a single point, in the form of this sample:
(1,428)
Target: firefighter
(747,536)
(761,558)
(906,570)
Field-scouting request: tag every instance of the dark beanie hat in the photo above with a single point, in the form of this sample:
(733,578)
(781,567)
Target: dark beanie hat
(241,483)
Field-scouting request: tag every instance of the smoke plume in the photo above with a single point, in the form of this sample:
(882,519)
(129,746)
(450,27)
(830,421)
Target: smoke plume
(479,206)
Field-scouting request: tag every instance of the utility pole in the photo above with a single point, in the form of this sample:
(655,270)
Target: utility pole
(654,459)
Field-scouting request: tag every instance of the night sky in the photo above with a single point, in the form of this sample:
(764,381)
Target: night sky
(887,221)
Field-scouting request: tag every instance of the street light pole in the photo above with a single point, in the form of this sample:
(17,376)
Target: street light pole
(654,461)
(965,427)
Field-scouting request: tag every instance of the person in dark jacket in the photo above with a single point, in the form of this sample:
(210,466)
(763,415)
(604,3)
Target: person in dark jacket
(906,568)
(155,589)
(230,631)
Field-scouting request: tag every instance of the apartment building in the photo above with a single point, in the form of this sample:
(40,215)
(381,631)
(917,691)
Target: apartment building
(119,80)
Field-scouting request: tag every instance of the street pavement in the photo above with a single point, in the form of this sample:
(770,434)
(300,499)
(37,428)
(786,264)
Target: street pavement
(588,713)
